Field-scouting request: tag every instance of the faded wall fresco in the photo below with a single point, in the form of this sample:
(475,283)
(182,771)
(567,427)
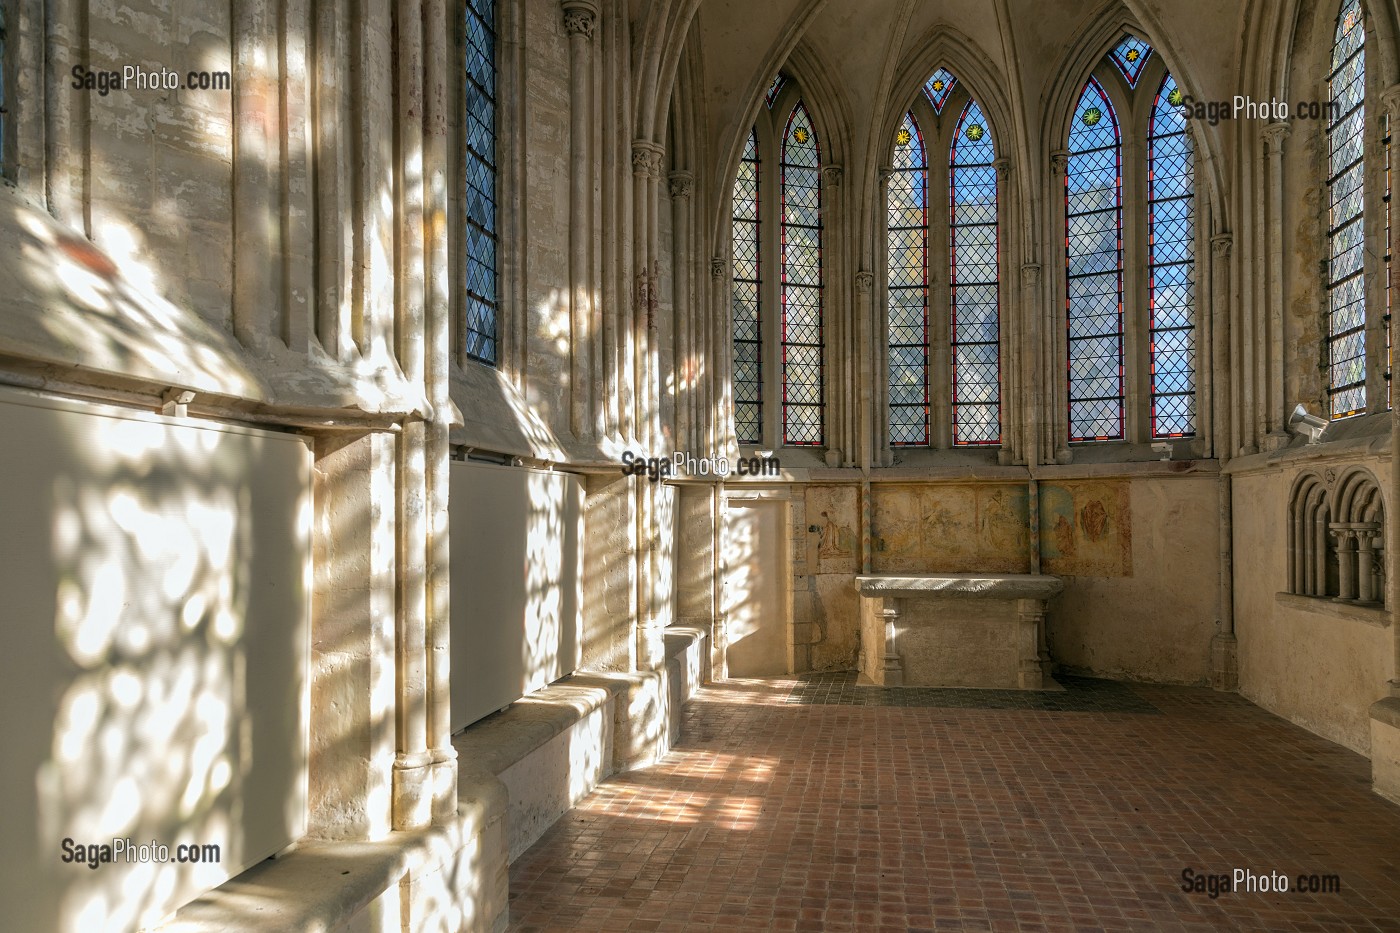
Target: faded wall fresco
(1086,528)
(826,605)
(950,528)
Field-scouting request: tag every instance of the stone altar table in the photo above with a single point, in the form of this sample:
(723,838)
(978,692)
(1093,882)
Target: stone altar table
(956,629)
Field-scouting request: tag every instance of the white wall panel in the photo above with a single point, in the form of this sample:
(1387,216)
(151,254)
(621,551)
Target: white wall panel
(153,654)
(516,623)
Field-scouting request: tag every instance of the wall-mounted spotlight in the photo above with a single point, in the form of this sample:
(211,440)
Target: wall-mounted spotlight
(1300,422)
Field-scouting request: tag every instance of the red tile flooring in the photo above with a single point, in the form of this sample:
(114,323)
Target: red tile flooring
(775,816)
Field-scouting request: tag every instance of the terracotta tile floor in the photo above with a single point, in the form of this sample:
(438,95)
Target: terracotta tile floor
(794,805)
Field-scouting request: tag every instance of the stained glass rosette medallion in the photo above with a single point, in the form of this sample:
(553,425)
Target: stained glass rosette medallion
(801,338)
(939,85)
(974,277)
(906,219)
(1131,56)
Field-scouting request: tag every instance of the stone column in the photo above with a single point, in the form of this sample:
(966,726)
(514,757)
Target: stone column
(1346,567)
(1224,439)
(1011,411)
(860,433)
(892,664)
(1055,437)
(580,17)
(1390,101)
(875,331)
(1271,403)
(1035,399)
(1366,534)
(679,186)
(837,381)
(720,423)
(1033,665)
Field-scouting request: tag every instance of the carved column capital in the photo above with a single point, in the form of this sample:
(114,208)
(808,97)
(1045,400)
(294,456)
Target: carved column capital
(1220,245)
(680,184)
(884,174)
(864,280)
(1030,274)
(1059,161)
(1003,168)
(718,266)
(831,176)
(1390,102)
(646,157)
(1273,135)
(580,16)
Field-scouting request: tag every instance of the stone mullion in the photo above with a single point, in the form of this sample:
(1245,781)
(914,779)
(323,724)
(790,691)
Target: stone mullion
(1008,327)
(1055,392)
(834,397)
(875,325)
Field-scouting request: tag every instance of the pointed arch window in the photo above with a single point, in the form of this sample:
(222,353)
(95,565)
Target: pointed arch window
(747,287)
(479,333)
(801,267)
(1346,293)
(776,228)
(974,264)
(1171,204)
(1094,259)
(774,89)
(906,206)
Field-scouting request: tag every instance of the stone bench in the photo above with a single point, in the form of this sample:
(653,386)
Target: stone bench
(956,629)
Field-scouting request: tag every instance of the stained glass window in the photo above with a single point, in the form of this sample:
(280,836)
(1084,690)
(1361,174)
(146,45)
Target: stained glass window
(2,84)
(1171,200)
(479,191)
(1346,304)
(1094,258)
(801,337)
(906,205)
(1130,56)
(774,89)
(1389,351)
(939,85)
(975,279)
(748,340)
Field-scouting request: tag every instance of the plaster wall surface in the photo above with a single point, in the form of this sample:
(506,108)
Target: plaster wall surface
(1321,671)
(1153,617)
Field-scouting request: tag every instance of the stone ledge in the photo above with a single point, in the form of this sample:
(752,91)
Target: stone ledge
(509,736)
(1387,712)
(1372,615)
(321,886)
(962,585)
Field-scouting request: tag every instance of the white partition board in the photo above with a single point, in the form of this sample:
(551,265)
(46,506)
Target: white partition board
(153,679)
(516,623)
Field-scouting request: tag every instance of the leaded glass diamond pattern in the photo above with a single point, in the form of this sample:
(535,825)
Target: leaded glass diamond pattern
(801,264)
(939,85)
(479,189)
(748,340)
(906,217)
(2,84)
(1130,56)
(975,279)
(1171,268)
(1346,305)
(1094,259)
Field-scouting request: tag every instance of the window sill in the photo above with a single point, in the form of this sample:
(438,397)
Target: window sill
(1376,615)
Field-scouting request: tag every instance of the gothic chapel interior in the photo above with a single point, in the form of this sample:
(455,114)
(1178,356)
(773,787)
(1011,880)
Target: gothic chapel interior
(413,412)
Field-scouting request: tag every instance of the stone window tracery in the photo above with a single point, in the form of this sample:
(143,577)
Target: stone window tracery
(1346,236)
